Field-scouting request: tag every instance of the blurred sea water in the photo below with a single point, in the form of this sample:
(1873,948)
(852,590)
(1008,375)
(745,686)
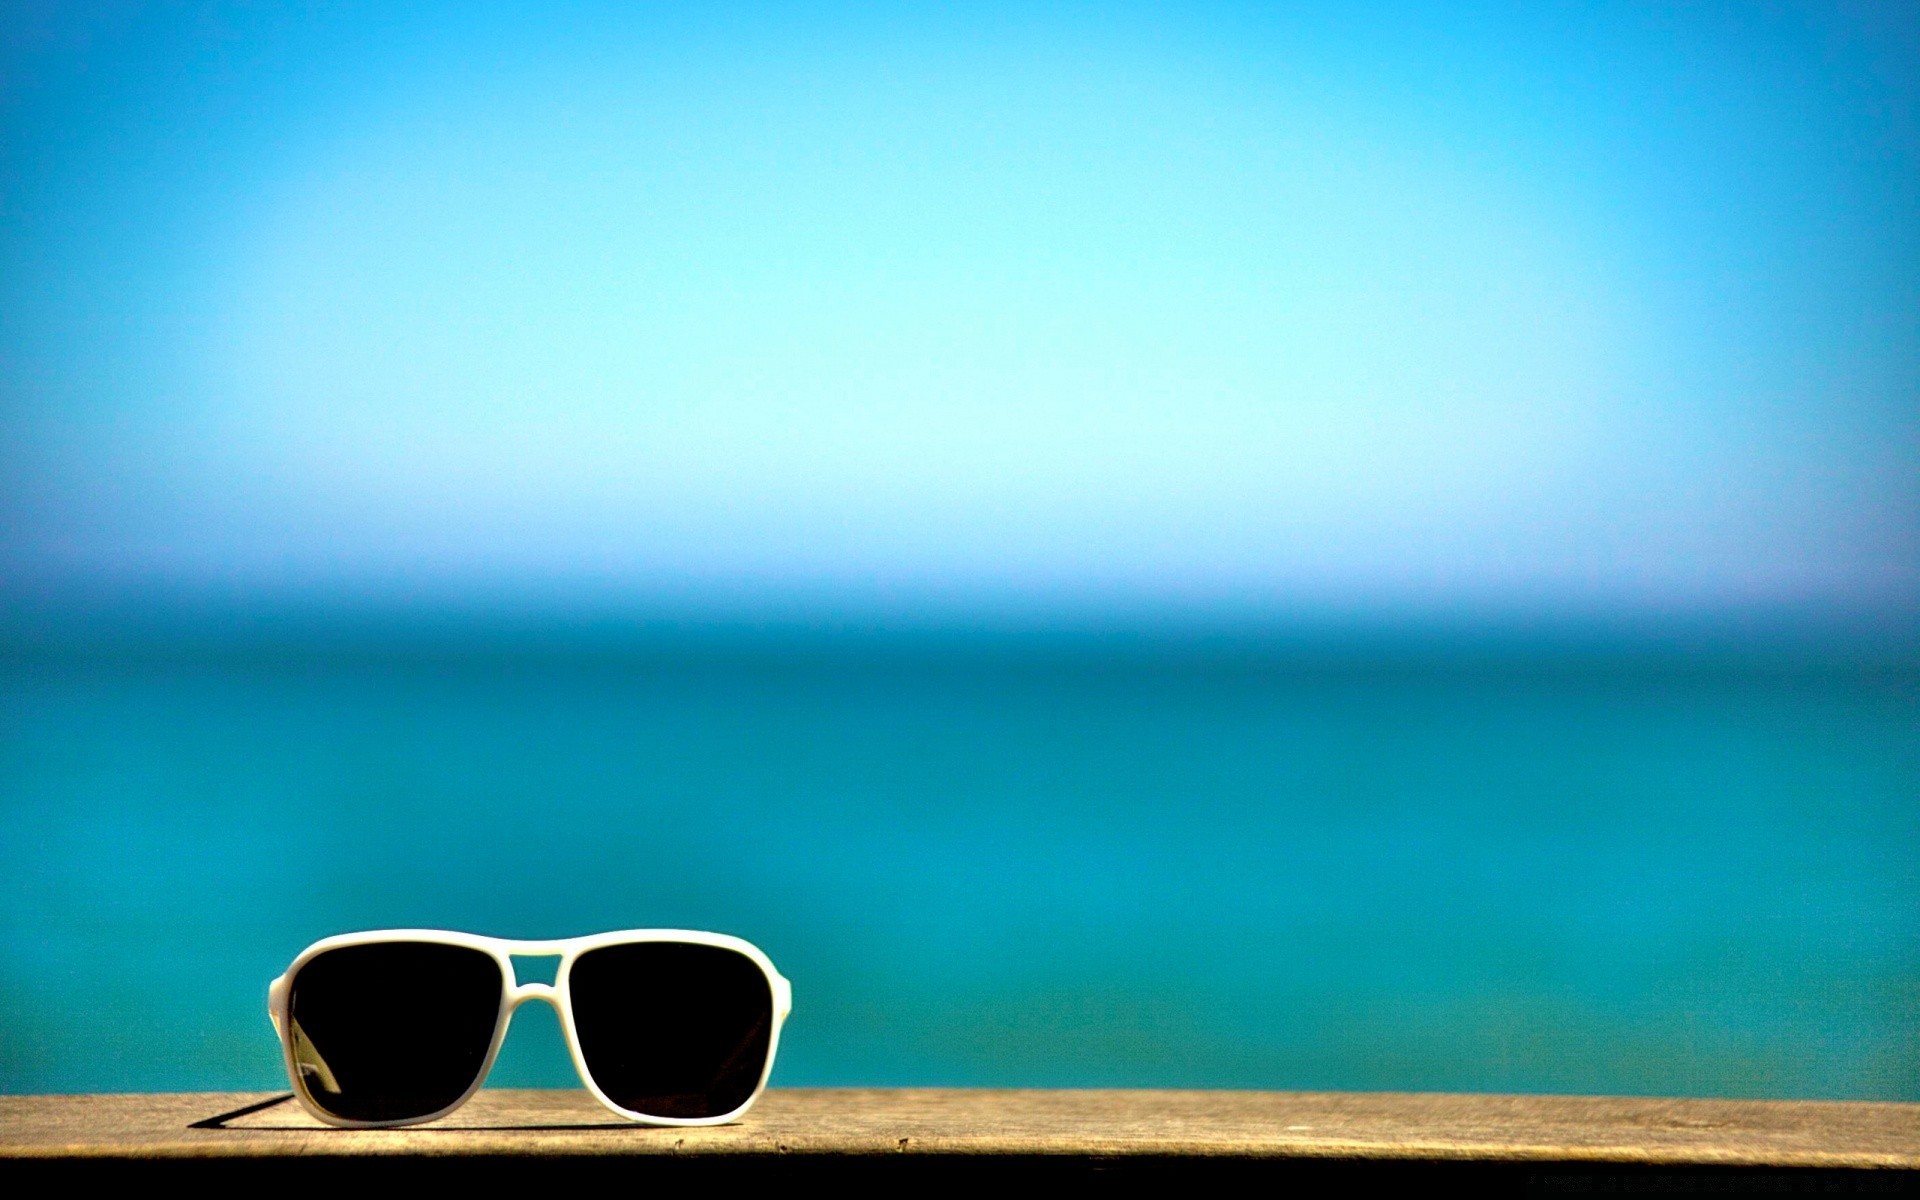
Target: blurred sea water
(997,862)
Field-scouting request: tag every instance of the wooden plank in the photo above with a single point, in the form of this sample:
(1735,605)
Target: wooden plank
(1109,1125)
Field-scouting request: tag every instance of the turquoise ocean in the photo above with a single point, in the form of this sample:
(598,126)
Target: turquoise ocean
(996,860)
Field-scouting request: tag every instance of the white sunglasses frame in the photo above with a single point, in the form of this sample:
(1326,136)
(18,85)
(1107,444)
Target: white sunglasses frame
(513,994)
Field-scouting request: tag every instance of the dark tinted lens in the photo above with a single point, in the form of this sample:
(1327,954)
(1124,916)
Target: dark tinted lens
(393,1030)
(671,1029)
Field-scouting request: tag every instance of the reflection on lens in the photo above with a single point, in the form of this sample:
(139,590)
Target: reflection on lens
(672,1029)
(393,1030)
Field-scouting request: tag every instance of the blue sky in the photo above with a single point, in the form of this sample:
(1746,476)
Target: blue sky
(1411,310)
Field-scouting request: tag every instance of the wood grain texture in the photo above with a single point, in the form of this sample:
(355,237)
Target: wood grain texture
(1104,1124)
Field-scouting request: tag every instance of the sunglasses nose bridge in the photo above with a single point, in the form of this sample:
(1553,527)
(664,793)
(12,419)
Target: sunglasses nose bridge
(524,992)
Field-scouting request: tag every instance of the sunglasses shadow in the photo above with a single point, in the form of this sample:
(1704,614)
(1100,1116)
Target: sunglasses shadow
(449,1124)
(220,1122)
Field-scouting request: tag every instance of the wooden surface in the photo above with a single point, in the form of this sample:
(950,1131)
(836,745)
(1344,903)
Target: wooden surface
(1107,1125)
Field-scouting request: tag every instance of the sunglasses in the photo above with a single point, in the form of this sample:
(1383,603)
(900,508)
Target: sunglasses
(666,1026)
